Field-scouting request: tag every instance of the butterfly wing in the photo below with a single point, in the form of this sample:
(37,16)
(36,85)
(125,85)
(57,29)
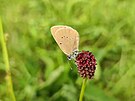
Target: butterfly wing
(67,39)
(55,28)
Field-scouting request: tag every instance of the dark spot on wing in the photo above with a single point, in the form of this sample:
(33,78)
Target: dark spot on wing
(60,43)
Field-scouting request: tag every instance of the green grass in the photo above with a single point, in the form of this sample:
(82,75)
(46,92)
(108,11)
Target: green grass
(41,72)
(8,76)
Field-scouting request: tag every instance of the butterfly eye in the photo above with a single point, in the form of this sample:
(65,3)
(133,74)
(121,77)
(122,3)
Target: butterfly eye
(69,57)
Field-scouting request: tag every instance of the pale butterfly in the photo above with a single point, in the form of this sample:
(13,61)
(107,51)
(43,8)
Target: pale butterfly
(67,39)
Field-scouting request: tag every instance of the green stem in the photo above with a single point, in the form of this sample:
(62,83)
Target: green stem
(82,89)
(7,67)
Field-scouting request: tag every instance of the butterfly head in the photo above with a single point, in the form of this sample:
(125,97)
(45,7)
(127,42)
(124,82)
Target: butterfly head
(73,55)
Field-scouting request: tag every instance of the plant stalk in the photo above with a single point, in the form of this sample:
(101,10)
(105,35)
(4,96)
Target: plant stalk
(82,89)
(7,67)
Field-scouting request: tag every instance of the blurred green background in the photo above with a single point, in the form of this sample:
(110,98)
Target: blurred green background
(41,72)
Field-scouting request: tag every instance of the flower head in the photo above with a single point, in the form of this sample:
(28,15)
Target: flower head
(86,64)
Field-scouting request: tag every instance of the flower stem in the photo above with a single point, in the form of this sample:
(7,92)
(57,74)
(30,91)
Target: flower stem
(82,89)
(7,67)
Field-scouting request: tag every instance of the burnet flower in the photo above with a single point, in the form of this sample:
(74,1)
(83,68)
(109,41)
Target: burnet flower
(86,64)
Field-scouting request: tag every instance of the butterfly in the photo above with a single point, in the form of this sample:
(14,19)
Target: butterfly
(67,39)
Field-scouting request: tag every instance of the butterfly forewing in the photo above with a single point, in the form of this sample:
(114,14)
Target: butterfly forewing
(66,37)
(55,28)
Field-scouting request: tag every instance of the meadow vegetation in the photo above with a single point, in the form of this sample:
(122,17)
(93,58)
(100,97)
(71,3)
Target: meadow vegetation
(41,72)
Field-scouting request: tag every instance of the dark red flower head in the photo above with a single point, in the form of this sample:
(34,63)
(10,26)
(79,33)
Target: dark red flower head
(86,64)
